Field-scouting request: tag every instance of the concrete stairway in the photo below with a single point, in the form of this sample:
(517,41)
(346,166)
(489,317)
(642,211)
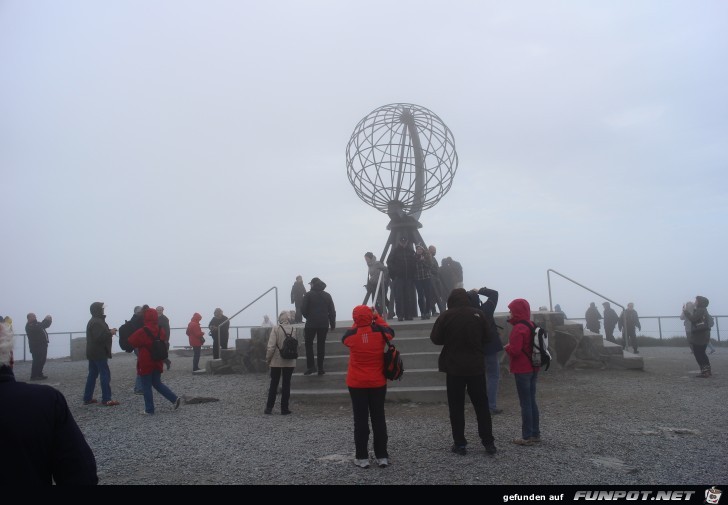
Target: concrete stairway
(571,344)
(420,382)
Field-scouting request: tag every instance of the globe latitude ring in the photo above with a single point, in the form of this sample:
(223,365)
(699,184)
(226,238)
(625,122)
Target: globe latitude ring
(401,159)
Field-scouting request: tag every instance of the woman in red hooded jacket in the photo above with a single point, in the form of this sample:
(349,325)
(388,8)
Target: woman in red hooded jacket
(519,347)
(366,382)
(149,370)
(197,338)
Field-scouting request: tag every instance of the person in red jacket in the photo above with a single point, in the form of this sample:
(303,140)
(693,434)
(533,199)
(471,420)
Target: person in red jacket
(519,347)
(367,384)
(197,338)
(149,370)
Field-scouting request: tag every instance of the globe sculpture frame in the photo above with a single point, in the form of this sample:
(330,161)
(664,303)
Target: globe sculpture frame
(401,160)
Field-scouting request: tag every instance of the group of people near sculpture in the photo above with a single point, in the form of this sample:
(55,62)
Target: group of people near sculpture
(466,330)
(412,278)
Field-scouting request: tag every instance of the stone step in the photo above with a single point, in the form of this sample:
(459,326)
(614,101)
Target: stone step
(395,393)
(626,360)
(340,362)
(334,380)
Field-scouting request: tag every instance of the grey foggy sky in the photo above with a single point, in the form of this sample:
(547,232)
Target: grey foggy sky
(192,154)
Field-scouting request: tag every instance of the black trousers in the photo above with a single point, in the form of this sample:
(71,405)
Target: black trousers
(698,351)
(369,403)
(275,377)
(404,298)
(320,335)
(299,315)
(39,360)
(609,333)
(475,385)
(215,346)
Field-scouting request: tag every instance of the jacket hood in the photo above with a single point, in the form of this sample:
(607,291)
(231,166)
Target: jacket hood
(701,301)
(520,310)
(458,298)
(362,315)
(196,317)
(474,299)
(97,309)
(317,284)
(284,317)
(151,319)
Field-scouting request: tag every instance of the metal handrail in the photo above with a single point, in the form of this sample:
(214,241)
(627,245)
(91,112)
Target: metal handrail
(227,320)
(70,334)
(551,306)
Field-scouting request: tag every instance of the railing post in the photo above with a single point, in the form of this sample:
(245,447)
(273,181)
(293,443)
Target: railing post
(717,328)
(548,279)
(659,326)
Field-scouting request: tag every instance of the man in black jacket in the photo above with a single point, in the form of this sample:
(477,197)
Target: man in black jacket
(298,291)
(464,331)
(38,344)
(610,321)
(318,309)
(401,265)
(220,332)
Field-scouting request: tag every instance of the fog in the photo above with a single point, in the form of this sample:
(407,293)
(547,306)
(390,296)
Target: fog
(192,154)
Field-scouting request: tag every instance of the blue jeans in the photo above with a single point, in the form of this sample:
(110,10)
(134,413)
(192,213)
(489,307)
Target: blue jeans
(526,387)
(154,379)
(492,376)
(98,368)
(138,381)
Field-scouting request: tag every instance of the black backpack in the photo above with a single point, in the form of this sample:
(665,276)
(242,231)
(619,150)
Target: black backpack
(290,346)
(540,355)
(159,346)
(125,331)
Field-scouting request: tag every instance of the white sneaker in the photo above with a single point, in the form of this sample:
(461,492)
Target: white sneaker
(383,462)
(362,463)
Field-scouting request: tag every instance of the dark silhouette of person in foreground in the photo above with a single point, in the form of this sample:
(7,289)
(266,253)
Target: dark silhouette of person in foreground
(41,442)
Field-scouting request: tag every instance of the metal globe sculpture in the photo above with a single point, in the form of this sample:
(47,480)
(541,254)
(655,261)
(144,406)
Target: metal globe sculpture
(401,159)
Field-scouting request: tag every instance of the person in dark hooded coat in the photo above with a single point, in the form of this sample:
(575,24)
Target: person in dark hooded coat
(700,320)
(318,309)
(464,332)
(98,353)
(592,317)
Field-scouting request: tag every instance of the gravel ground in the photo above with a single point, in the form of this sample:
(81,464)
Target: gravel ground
(659,426)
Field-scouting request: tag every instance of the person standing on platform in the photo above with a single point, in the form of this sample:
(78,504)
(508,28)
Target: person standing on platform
(401,265)
(220,331)
(629,323)
(298,291)
(592,317)
(610,322)
(38,344)
(320,313)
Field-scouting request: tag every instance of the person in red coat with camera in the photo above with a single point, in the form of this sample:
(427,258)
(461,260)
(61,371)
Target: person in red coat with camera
(366,382)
